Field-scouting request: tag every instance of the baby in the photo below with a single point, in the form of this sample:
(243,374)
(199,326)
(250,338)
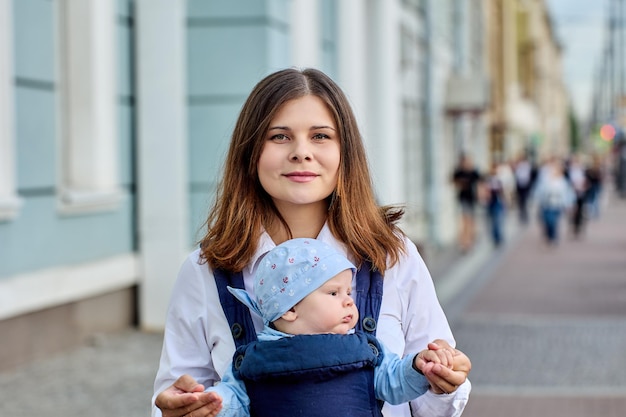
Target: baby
(308,359)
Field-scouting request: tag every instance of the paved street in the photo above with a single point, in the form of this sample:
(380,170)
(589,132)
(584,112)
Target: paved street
(110,376)
(545,328)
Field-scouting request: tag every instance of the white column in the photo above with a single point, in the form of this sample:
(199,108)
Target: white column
(385,104)
(162,153)
(9,202)
(306,42)
(90,177)
(352,57)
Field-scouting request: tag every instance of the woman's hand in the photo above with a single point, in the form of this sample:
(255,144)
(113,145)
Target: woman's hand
(187,398)
(445,379)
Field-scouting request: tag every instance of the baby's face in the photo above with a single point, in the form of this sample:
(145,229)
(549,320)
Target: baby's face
(330,308)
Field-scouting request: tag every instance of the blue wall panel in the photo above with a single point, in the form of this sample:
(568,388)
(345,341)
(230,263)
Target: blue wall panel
(125,8)
(328,15)
(200,200)
(126,117)
(124,57)
(279,9)
(275,9)
(126,92)
(225,9)
(40,238)
(35,111)
(126,144)
(279,50)
(35,32)
(226,60)
(210,128)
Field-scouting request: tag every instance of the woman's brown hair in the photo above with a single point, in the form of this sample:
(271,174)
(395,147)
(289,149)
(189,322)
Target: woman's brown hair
(242,207)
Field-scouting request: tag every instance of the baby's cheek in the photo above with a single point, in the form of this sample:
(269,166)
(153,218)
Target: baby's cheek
(355,314)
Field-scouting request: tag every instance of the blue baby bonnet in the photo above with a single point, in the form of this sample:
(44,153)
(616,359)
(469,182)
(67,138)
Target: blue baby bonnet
(290,272)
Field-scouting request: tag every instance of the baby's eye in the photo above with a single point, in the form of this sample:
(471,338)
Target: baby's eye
(333,293)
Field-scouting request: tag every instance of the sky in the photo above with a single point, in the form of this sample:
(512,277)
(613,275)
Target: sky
(581,28)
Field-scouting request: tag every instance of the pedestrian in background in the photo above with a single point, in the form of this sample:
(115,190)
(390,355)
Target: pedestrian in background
(575,174)
(554,195)
(466,178)
(506,175)
(494,197)
(297,168)
(595,177)
(525,176)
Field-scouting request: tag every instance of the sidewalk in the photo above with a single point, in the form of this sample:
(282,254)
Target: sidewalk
(545,327)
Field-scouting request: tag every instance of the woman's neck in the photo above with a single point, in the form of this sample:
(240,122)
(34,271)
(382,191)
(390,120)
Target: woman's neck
(303,221)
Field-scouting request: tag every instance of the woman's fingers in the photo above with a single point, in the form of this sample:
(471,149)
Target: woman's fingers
(181,398)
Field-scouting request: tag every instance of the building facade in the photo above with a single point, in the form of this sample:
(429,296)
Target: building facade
(116,117)
(529,103)
(68,245)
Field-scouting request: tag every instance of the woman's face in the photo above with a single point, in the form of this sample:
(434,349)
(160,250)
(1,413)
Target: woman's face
(299,163)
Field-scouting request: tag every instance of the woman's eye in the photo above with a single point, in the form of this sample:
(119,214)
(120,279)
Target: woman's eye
(280,137)
(320,136)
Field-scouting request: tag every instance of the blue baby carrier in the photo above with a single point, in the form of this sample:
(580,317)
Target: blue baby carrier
(311,384)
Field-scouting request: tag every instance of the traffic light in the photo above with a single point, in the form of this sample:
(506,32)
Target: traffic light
(607,132)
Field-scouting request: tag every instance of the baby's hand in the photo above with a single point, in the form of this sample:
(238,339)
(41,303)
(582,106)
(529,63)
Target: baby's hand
(444,349)
(438,352)
(441,356)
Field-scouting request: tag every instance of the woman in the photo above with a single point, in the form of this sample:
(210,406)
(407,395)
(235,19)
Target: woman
(297,167)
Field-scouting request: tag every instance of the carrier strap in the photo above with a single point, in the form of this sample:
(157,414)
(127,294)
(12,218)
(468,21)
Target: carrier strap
(237,314)
(369,297)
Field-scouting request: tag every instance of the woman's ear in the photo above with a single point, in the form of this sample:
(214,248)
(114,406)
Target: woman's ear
(290,315)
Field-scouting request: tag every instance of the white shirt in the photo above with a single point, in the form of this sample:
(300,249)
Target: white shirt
(198,342)
(523,171)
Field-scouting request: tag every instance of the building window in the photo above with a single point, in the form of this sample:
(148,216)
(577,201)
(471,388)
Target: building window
(89,177)
(9,202)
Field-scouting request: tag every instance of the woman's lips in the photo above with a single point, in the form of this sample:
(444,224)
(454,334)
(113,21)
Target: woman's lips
(301,176)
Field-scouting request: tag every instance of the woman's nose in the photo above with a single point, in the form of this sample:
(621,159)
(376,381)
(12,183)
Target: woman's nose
(300,151)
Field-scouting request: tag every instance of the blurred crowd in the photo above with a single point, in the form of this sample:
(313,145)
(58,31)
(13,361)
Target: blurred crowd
(552,190)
